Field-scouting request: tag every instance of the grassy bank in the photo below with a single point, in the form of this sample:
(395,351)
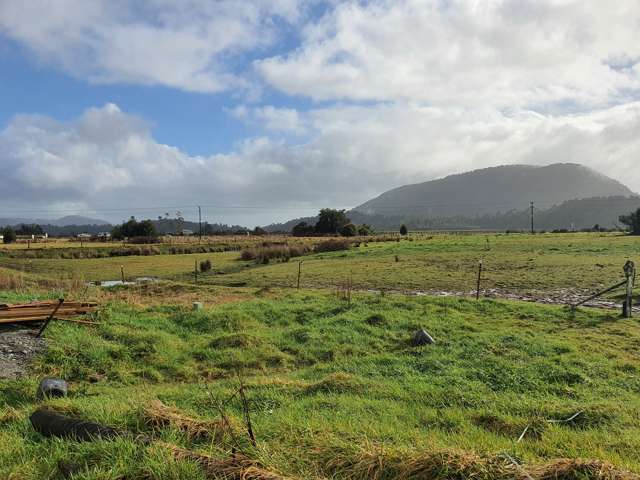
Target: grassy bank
(331,384)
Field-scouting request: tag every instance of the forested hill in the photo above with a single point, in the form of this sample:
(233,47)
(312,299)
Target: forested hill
(494,190)
(572,214)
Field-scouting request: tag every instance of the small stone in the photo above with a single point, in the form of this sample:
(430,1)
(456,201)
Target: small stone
(197,306)
(51,388)
(422,337)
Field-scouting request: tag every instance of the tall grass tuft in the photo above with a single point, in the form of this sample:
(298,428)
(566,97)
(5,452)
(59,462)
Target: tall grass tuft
(333,245)
(274,252)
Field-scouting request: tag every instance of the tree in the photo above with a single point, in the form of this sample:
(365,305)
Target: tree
(31,229)
(365,230)
(403,229)
(302,229)
(117,232)
(9,236)
(632,221)
(259,231)
(330,221)
(179,223)
(146,228)
(348,230)
(132,228)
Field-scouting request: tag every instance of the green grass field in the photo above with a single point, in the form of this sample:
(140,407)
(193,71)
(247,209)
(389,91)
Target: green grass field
(325,375)
(513,263)
(335,388)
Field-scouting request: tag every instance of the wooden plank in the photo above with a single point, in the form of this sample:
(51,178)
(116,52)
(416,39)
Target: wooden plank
(65,309)
(44,305)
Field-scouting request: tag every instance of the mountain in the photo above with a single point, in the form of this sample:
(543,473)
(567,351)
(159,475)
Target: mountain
(77,220)
(60,222)
(570,215)
(493,190)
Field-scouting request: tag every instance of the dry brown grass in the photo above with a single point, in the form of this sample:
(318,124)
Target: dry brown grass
(236,467)
(13,281)
(378,463)
(159,415)
(569,469)
(9,414)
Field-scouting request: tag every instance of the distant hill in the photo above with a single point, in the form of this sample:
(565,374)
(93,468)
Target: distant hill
(493,190)
(570,215)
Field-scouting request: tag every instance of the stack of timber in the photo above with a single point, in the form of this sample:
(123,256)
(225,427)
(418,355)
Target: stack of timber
(41,311)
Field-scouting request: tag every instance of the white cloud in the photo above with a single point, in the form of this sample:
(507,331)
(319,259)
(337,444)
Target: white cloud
(287,120)
(108,159)
(449,86)
(500,53)
(183,44)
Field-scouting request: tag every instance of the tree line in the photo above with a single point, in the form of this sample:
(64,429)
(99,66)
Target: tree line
(331,222)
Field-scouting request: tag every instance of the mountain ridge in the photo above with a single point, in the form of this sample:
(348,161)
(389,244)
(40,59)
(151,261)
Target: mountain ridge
(495,189)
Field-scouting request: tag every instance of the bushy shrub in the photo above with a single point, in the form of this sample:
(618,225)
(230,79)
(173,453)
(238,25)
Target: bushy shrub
(365,230)
(248,254)
(333,245)
(348,230)
(8,234)
(303,229)
(274,252)
(205,266)
(143,240)
(632,221)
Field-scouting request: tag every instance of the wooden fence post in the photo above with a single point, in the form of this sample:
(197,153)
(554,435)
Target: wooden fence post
(299,271)
(479,280)
(630,273)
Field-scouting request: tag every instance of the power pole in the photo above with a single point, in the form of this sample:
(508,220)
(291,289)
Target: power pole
(533,231)
(200,223)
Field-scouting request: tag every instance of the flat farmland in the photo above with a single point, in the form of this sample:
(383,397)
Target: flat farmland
(442,262)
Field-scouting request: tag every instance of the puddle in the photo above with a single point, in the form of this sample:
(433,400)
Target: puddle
(115,283)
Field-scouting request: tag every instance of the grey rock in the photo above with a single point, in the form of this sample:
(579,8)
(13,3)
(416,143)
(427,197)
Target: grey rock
(51,388)
(422,337)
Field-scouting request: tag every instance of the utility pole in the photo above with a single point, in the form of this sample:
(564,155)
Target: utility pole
(533,231)
(200,223)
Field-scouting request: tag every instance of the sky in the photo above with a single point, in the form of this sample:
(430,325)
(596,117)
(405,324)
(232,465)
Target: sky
(266,110)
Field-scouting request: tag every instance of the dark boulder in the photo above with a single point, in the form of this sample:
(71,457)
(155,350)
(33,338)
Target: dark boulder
(422,337)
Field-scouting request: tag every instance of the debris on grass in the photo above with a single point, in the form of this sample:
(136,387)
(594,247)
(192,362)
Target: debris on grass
(50,423)
(159,415)
(51,388)
(422,337)
(40,311)
(531,429)
(236,467)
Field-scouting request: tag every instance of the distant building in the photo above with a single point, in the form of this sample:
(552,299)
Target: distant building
(187,232)
(104,235)
(84,236)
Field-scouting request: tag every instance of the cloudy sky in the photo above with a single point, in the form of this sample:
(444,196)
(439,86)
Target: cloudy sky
(263,110)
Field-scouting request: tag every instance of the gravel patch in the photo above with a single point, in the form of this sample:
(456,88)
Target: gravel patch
(18,346)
